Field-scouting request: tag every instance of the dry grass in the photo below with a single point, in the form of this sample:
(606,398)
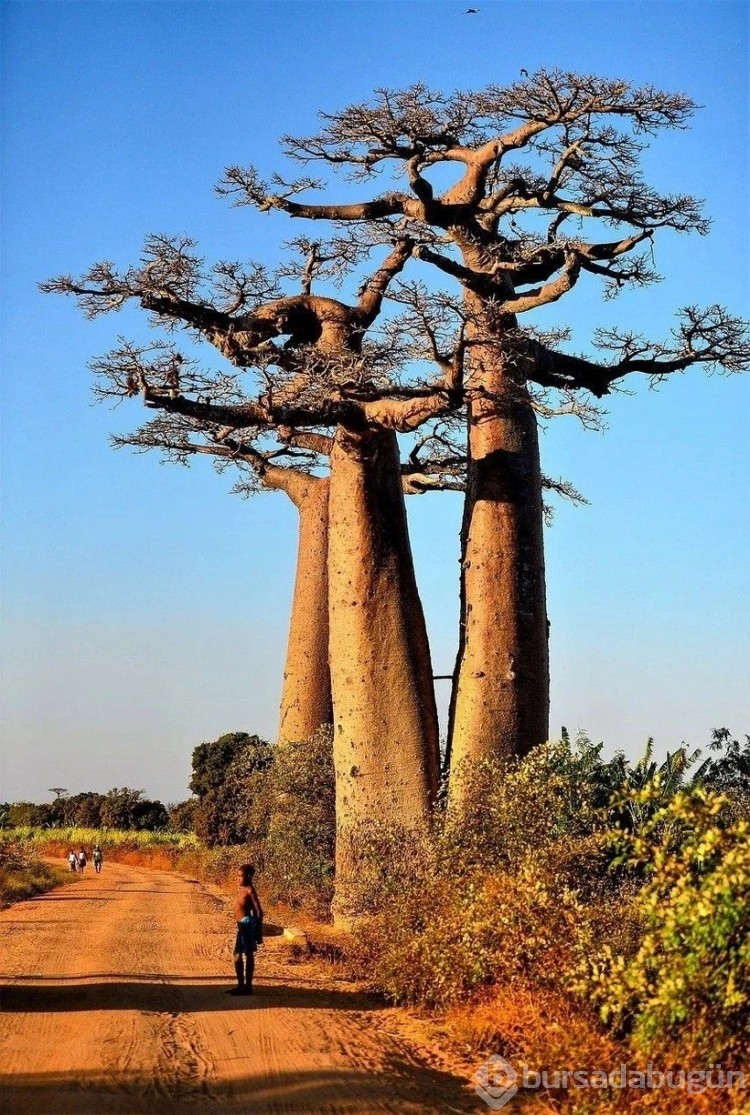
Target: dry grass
(22,875)
(549,1032)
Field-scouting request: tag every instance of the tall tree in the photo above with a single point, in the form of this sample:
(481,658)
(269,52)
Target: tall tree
(538,166)
(386,750)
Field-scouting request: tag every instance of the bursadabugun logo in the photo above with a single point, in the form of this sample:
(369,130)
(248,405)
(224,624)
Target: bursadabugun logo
(495,1082)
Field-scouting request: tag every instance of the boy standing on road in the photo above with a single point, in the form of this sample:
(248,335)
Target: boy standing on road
(248,914)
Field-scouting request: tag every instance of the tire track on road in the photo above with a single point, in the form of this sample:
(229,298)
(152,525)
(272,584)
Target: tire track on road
(114,1004)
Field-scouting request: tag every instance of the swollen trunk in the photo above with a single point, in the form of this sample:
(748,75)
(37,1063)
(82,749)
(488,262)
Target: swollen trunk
(501,692)
(385,721)
(306,696)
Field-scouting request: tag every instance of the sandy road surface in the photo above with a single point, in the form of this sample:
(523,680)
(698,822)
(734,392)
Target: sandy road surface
(113,1001)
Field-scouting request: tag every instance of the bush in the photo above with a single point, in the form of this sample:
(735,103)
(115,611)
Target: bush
(687,984)
(638,907)
(22,875)
(430,933)
(298,860)
(507,889)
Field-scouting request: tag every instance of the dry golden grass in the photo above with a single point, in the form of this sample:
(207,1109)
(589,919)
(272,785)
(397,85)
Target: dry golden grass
(547,1031)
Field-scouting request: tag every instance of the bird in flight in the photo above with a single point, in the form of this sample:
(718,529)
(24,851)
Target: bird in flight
(471,11)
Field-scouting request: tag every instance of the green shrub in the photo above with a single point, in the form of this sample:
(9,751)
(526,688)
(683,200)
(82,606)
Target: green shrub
(298,859)
(687,984)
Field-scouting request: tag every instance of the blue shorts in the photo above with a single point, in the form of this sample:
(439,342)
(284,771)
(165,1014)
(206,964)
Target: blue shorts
(247,935)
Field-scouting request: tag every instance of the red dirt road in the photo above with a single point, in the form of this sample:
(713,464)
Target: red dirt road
(113,1001)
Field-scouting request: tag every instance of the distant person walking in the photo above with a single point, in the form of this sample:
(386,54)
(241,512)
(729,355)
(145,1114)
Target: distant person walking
(73,860)
(98,859)
(248,914)
(82,861)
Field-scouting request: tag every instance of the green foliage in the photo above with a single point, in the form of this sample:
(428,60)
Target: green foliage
(128,809)
(727,771)
(211,761)
(233,791)
(299,851)
(515,807)
(83,809)
(688,982)
(21,813)
(182,815)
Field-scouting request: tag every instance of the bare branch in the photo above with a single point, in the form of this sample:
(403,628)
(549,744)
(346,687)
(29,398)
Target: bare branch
(709,336)
(372,292)
(550,292)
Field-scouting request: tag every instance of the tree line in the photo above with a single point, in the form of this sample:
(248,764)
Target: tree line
(425,378)
(278,804)
(120,808)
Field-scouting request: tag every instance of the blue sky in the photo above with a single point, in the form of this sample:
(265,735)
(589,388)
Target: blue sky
(143,608)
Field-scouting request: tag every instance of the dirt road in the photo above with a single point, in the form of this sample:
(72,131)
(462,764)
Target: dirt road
(113,1001)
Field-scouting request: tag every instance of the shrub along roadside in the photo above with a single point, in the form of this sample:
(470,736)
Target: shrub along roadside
(22,874)
(687,983)
(580,914)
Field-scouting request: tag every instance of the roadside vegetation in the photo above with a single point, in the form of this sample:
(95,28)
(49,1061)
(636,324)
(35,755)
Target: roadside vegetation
(581,912)
(23,874)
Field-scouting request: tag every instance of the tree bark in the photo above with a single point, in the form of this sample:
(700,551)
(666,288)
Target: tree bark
(500,704)
(306,695)
(386,750)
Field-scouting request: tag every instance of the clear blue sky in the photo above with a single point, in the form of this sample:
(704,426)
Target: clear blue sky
(143,608)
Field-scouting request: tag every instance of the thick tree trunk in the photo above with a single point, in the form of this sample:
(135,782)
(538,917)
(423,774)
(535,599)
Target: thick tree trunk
(500,704)
(306,696)
(386,750)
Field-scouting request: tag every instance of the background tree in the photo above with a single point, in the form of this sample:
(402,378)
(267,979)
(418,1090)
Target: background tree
(533,169)
(21,814)
(83,810)
(727,770)
(228,776)
(182,815)
(124,808)
(211,761)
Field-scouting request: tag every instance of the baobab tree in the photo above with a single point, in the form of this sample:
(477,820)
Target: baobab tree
(386,735)
(535,168)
